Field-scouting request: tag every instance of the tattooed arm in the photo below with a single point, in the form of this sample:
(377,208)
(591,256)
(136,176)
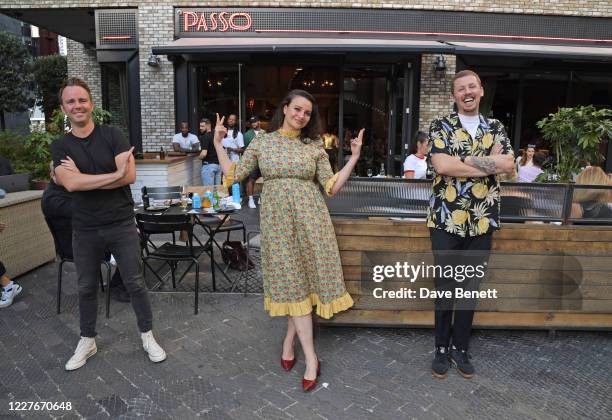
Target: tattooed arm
(448,165)
(491,165)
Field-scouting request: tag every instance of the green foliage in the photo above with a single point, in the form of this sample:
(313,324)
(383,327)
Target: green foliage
(49,74)
(15,76)
(59,123)
(28,153)
(32,153)
(574,136)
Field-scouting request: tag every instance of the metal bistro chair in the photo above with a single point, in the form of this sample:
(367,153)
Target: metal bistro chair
(62,237)
(170,252)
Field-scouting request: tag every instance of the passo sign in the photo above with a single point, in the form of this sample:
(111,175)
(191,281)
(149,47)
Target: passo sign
(216,21)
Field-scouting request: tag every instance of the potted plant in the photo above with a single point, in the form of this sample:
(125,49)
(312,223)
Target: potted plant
(574,136)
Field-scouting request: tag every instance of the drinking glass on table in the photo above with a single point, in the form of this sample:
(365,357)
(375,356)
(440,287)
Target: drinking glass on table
(184,195)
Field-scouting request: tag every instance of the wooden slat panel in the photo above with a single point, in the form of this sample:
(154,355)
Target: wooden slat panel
(521,320)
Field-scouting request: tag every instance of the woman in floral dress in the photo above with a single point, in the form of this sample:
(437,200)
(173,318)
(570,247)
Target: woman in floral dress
(300,259)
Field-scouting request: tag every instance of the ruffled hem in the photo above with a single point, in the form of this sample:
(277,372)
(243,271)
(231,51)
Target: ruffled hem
(228,177)
(324,310)
(329,184)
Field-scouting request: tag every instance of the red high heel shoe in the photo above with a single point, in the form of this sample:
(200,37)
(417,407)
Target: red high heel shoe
(288,364)
(309,385)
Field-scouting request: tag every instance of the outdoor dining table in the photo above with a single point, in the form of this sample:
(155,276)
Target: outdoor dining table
(198,217)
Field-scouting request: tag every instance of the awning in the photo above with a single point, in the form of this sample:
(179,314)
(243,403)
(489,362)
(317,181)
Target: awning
(603,53)
(242,44)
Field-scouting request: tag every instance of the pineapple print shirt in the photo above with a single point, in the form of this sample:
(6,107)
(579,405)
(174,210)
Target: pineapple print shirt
(465,206)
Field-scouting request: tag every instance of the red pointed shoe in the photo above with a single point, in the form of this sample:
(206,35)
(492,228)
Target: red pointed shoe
(309,385)
(287,364)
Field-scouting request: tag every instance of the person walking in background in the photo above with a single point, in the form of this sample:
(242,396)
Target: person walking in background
(300,258)
(253,132)
(95,163)
(233,141)
(10,290)
(211,171)
(415,165)
(466,151)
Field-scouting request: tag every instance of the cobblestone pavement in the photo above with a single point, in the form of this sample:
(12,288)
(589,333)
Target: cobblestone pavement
(223,364)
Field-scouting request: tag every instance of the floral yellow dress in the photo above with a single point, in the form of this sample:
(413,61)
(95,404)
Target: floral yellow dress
(299,252)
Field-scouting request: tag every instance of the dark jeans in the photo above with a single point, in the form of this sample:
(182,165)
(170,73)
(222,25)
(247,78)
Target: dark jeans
(453,250)
(89,247)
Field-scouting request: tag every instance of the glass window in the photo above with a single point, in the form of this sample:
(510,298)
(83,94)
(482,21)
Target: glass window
(217,91)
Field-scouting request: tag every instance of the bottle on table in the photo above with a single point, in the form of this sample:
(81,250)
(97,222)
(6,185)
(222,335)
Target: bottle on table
(162,153)
(382,170)
(196,201)
(145,198)
(236,193)
(216,200)
(207,200)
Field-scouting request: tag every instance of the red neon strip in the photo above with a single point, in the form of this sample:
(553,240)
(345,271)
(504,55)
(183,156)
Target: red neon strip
(516,37)
(116,37)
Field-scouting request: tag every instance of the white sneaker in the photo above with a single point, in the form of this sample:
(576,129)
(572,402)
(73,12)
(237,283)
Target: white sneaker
(252,203)
(85,349)
(8,294)
(156,353)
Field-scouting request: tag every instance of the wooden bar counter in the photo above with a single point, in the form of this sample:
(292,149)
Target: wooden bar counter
(547,276)
(172,170)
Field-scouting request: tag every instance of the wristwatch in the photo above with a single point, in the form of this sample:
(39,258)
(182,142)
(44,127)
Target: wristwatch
(463,158)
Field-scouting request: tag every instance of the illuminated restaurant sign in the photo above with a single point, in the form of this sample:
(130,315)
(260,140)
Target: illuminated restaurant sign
(215,21)
(198,22)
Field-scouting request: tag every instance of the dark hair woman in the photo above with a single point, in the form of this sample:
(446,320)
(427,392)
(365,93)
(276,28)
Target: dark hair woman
(234,142)
(300,258)
(415,165)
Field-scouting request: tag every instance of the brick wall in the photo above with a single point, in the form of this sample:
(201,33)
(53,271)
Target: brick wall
(435,89)
(82,63)
(156,27)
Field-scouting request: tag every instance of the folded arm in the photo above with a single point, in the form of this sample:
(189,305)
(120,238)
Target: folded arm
(68,174)
(474,166)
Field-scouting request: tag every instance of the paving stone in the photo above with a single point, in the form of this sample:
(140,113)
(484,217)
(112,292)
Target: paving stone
(223,363)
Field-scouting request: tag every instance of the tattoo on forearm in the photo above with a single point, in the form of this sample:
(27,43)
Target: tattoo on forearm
(484,163)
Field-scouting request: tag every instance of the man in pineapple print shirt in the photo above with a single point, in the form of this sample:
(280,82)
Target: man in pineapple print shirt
(466,152)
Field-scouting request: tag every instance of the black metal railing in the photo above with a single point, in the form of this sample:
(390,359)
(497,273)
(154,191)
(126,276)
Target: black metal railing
(520,202)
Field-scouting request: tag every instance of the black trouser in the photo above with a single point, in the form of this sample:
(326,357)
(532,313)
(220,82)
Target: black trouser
(89,247)
(453,250)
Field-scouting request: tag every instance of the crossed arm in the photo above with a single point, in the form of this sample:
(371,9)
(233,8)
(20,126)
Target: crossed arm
(474,166)
(68,175)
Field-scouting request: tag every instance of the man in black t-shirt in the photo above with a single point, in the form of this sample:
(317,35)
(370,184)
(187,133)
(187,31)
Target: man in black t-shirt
(95,163)
(211,171)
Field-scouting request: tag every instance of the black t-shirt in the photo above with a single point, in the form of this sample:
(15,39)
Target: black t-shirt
(95,155)
(207,143)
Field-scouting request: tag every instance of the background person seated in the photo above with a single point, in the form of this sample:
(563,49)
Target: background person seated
(5,166)
(9,289)
(185,141)
(592,203)
(56,205)
(528,173)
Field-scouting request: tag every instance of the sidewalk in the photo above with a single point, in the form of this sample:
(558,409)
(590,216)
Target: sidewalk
(224,364)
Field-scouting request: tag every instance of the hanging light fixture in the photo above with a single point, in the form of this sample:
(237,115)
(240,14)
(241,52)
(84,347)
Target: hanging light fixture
(440,63)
